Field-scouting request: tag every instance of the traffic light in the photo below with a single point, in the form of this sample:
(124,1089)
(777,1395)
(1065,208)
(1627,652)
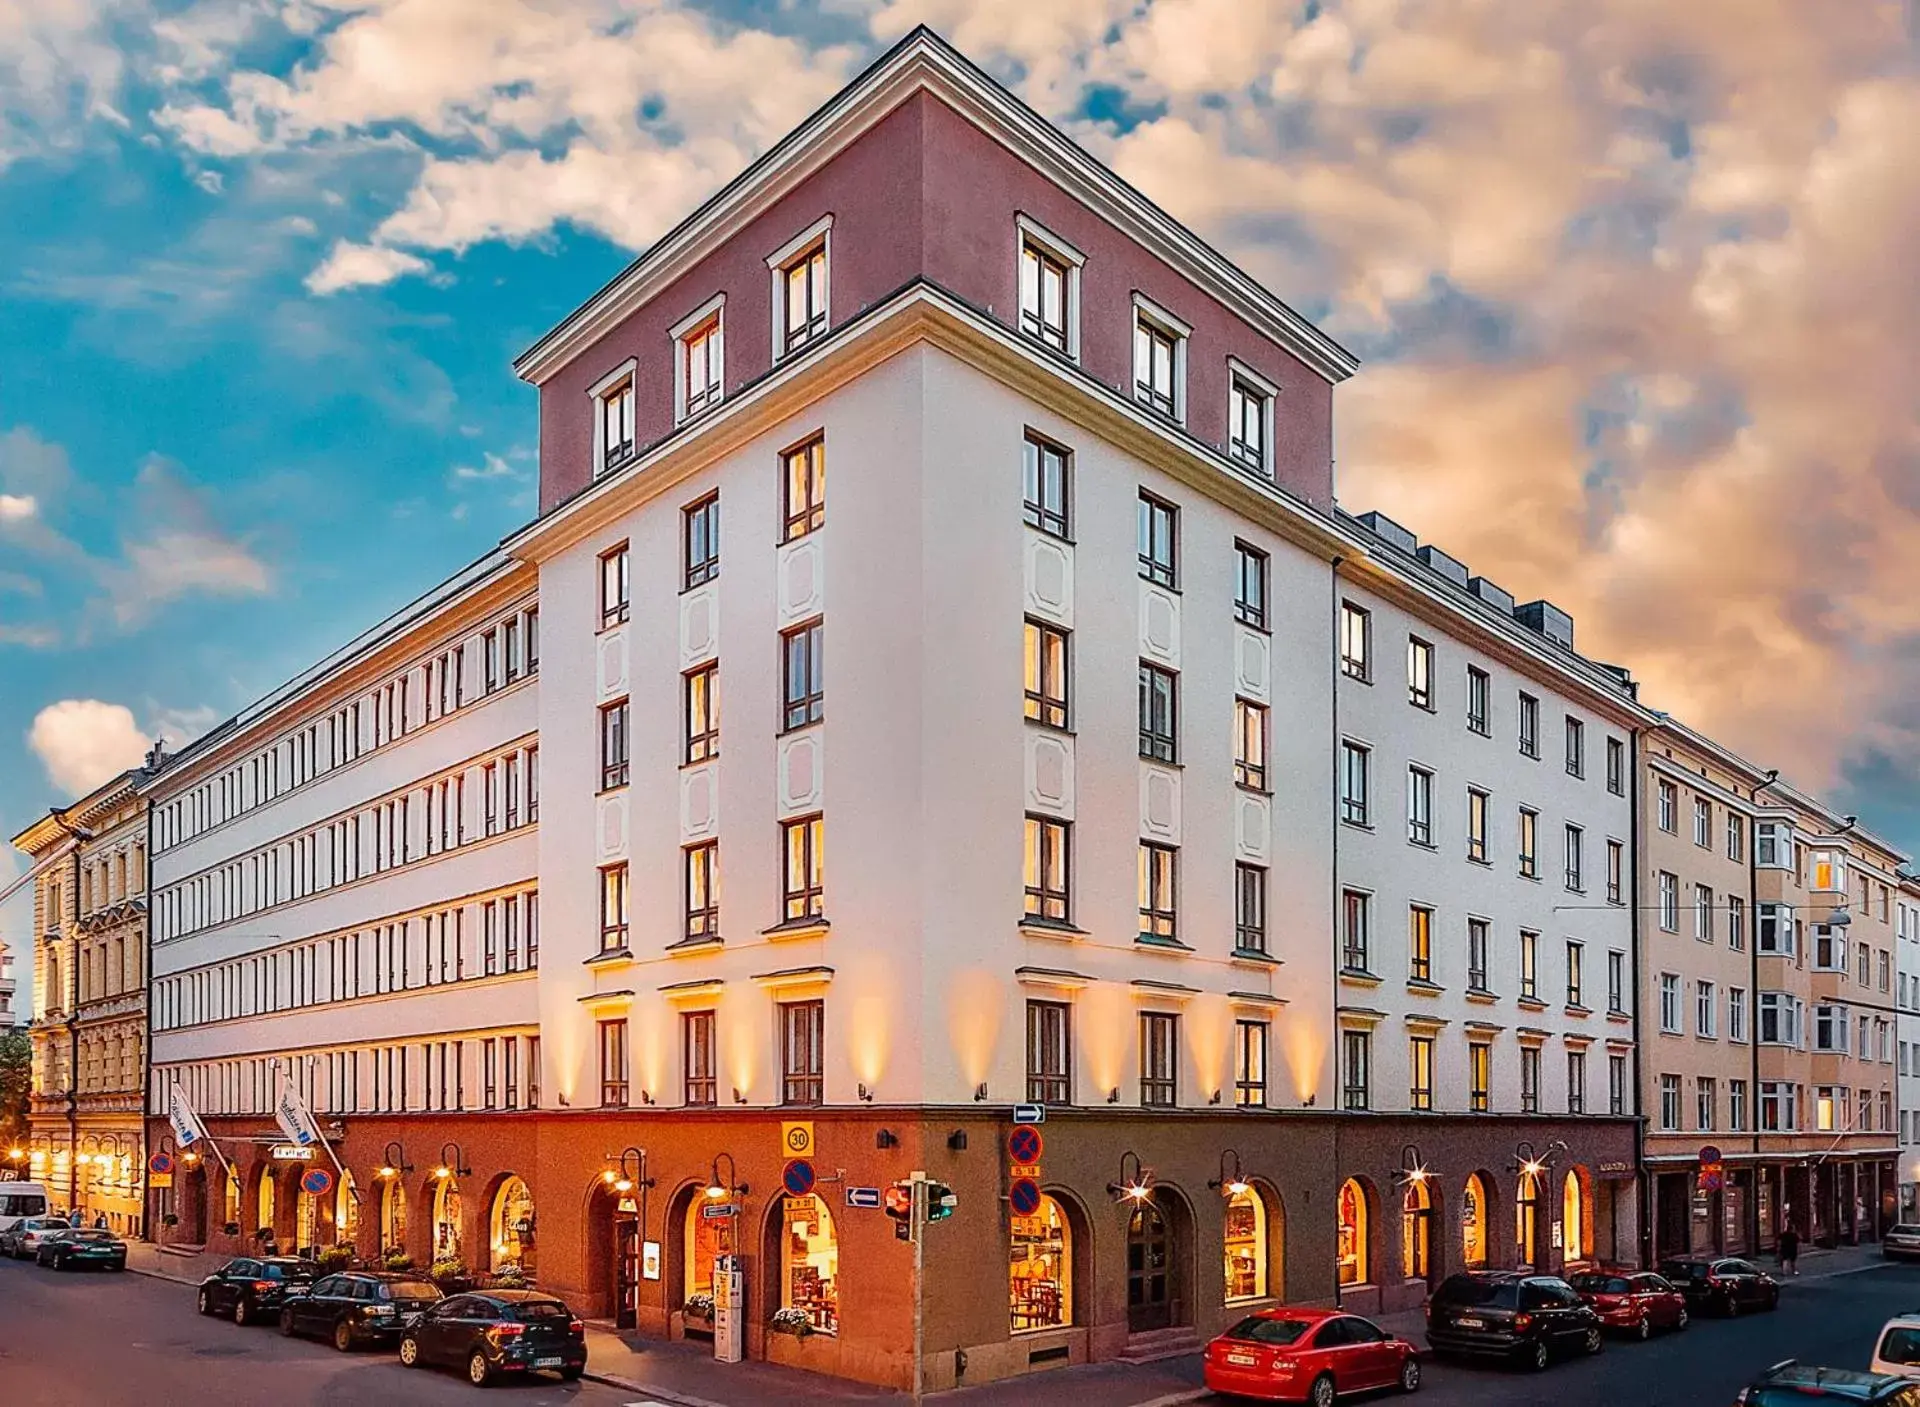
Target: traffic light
(898,1201)
(940,1201)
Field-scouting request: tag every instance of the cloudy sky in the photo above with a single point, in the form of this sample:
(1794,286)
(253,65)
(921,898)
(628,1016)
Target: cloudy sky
(1633,282)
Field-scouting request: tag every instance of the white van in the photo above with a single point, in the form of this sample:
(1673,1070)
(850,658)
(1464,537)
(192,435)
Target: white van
(19,1200)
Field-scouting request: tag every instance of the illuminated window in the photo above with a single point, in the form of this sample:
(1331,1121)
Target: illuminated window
(804,486)
(1049,869)
(702,892)
(700,541)
(805,869)
(802,284)
(1040,1270)
(1352,1246)
(1473,1223)
(1046,674)
(1045,476)
(810,1262)
(511,1233)
(1416,1230)
(1246,1246)
(703,713)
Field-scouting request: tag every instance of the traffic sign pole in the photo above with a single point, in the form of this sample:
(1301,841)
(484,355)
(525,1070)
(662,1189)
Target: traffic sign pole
(919,1225)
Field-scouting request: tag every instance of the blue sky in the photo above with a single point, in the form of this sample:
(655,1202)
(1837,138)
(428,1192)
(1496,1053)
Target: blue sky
(1633,289)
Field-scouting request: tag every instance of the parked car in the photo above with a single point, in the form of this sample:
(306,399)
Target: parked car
(1897,1350)
(1308,1355)
(251,1288)
(1791,1384)
(1634,1301)
(1723,1285)
(496,1332)
(1902,1242)
(360,1306)
(79,1247)
(1510,1314)
(22,1239)
(20,1200)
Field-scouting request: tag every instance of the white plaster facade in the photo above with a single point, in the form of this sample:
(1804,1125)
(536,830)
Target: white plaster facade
(1907,1022)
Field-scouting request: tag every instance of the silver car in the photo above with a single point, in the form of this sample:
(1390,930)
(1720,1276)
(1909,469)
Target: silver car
(1901,1241)
(22,1240)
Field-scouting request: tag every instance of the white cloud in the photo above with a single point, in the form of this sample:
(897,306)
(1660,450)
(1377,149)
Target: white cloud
(352,265)
(16,506)
(32,637)
(492,466)
(84,742)
(178,548)
(60,64)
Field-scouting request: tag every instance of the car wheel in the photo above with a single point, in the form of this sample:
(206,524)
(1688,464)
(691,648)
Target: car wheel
(241,1314)
(571,1375)
(1680,1322)
(1537,1355)
(206,1303)
(286,1322)
(1731,1307)
(409,1352)
(1644,1329)
(1321,1393)
(343,1336)
(1410,1374)
(1773,1301)
(1593,1341)
(480,1373)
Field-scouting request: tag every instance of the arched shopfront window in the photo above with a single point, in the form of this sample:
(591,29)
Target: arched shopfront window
(393,1216)
(1473,1223)
(1040,1270)
(264,1199)
(306,1220)
(809,1262)
(346,1212)
(1354,1267)
(446,1219)
(1246,1246)
(512,1225)
(1526,1219)
(704,1239)
(1416,1230)
(230,1202)
(1573,1218)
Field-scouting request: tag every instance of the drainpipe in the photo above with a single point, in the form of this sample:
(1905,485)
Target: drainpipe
(1635,851)
(1753,1029)
(68,934)
(146,1000)
(1333,1012)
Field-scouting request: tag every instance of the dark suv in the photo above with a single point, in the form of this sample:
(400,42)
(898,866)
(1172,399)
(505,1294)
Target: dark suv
(251,1288)
(1723,1285)
(356,1307)
(1508,1314)
(1789,1384)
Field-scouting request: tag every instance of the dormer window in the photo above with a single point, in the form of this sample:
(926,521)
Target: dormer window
(1159,360)
(800,289)
(613,427)
(1049,278)
(1250,400)
(699,362)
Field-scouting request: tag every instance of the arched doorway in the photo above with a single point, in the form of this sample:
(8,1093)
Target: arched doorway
(703,1239)
(1040,1269)
(804,1256)
(264,1203)
(1475,1210)
(1149,1267)
(510,1229)
(346,1212)
(1416,1230)
(1246,1244)
(446,1219)
(1526,1220)
(1574,1236)
(393,1218)
(306,1222)
(1355,1229)
(192,1207)
(230,1201)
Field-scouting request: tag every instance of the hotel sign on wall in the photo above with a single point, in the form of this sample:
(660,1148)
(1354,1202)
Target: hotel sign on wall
(290,1153)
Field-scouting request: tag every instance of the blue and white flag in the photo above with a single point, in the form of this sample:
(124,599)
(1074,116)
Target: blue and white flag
(295,1119)
(187,1128)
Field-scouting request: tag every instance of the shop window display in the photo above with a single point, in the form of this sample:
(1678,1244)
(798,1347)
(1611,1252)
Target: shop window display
(809,1262)
(1246,1246)
(1040,1270)
(1353,1234)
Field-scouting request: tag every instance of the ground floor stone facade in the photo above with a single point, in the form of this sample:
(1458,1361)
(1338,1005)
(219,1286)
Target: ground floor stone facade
(1831,1199)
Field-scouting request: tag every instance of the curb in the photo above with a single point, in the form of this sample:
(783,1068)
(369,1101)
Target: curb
(664,1396)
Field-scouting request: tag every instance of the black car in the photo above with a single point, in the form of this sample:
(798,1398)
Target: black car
(1789,1384)
(496,1332)
(362,1306)
(1510,1314)
(82,1247)
(1722,1284)
(251,1288)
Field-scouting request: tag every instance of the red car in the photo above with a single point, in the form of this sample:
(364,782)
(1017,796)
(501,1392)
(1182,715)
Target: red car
(1635,1301)
(1308,1355)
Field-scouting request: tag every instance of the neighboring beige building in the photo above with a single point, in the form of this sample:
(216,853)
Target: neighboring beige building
(89,1026)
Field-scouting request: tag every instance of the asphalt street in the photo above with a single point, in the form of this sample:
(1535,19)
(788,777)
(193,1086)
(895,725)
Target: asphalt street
(98,1339)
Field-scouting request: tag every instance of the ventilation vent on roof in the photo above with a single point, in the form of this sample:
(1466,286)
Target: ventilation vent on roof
(1451,568)
(1494,596)
(1381,526)
(1548,619)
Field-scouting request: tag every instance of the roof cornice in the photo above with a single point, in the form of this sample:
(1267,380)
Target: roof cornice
(923,62)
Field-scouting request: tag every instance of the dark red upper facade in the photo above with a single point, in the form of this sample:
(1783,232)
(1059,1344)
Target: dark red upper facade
(926,194)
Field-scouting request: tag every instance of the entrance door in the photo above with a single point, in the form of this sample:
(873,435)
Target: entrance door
(626,1269)
(1149,1270)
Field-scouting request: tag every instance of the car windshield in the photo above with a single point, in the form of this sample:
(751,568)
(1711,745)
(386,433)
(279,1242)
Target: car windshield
(1901,1345)
(1905,1228)
(1684,1270)
(1465,1290)
(1601,1285)
(410,1290)
(50,1224)
(1279,1332)
(90,1235)
(537,1311)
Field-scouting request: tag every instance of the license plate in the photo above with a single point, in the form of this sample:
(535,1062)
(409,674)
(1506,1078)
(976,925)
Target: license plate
(1470,1323)
(1242,1360)
(546,1362)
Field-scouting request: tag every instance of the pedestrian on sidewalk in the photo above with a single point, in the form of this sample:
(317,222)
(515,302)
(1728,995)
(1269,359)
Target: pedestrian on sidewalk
(1789,1249)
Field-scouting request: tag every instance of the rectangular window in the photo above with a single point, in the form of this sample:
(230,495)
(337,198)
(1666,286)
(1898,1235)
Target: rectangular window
(1576,880)
(1479,693)
(1669,902)
(700,540)
(1156,355)
(701,366)
(1736,837)
(489,672)
(1159,881)
(1616,982)
(1477,929)
(1049,1053)
(1702,913)
(1046,674)
(1529,965)
(804,488)
(614,587)
(1477,825)
(1576,748)
(1420,1072)
(613,1064)
(1159,713)
(1356,766)
(1616,865)
(1529,843)
(1667,815)
(1530,1079)
(1249,745)
(1249,908)
(1159,1059)
(616,424)
(1419,944)
(803,672)
(1704,1010)
(1669,1004)
(699,1062)
(1737,1105)
(1247,423)
(1250,586)
(1529,726)
(802,1052)
(803,291)
(702,697)
(1419,673)
(1736,1013)
(1616,1084)
(1356,930)
(1703,822)
(1356,1070)
(803,885)
(1576,974)
(613,746)
(1419,806)
(1356,642)
(1045,473)
(613,909)
(702,892)
(1616,766)
(1046,282)
(1157,531)
(1250,1064)
(1049,870)
(1576,1082)
(1479,1076)
(1670,1103)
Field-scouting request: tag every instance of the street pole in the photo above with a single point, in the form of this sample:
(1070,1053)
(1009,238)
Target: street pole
(919,1226)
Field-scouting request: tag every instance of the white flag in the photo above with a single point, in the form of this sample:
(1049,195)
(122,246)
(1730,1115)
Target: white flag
(293,1116)
(187,1129)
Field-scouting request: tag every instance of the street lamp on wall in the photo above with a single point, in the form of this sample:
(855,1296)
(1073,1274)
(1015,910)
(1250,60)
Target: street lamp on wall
(452,1163)
(1136,1179)
(1231,1182)
(393,1161)
(1413,1168)
(730,1188)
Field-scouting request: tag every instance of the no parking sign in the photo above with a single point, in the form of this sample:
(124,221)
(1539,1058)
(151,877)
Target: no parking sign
(316,1182)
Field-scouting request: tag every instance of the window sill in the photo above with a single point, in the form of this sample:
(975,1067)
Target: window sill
(1254,626)
(1048,533)
(1481,861)
(1253,957)
(1575,1009)
(787,540)
(1420,987)
(794,928)
(1423,707)
(1165,586)
(1251,790)
(1164,762)
(1576,889)
(1426,845)
(1479,732)
(1532,1004)
(1359,977)
(1482,995)
(607,791)
(1064,730)
(1057,929)
(1615,1014)
(1529,878)
(1366,826)
(1166,945)
(1350,676)
(700,761)
(801,727)
(611,958)
(688,947)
